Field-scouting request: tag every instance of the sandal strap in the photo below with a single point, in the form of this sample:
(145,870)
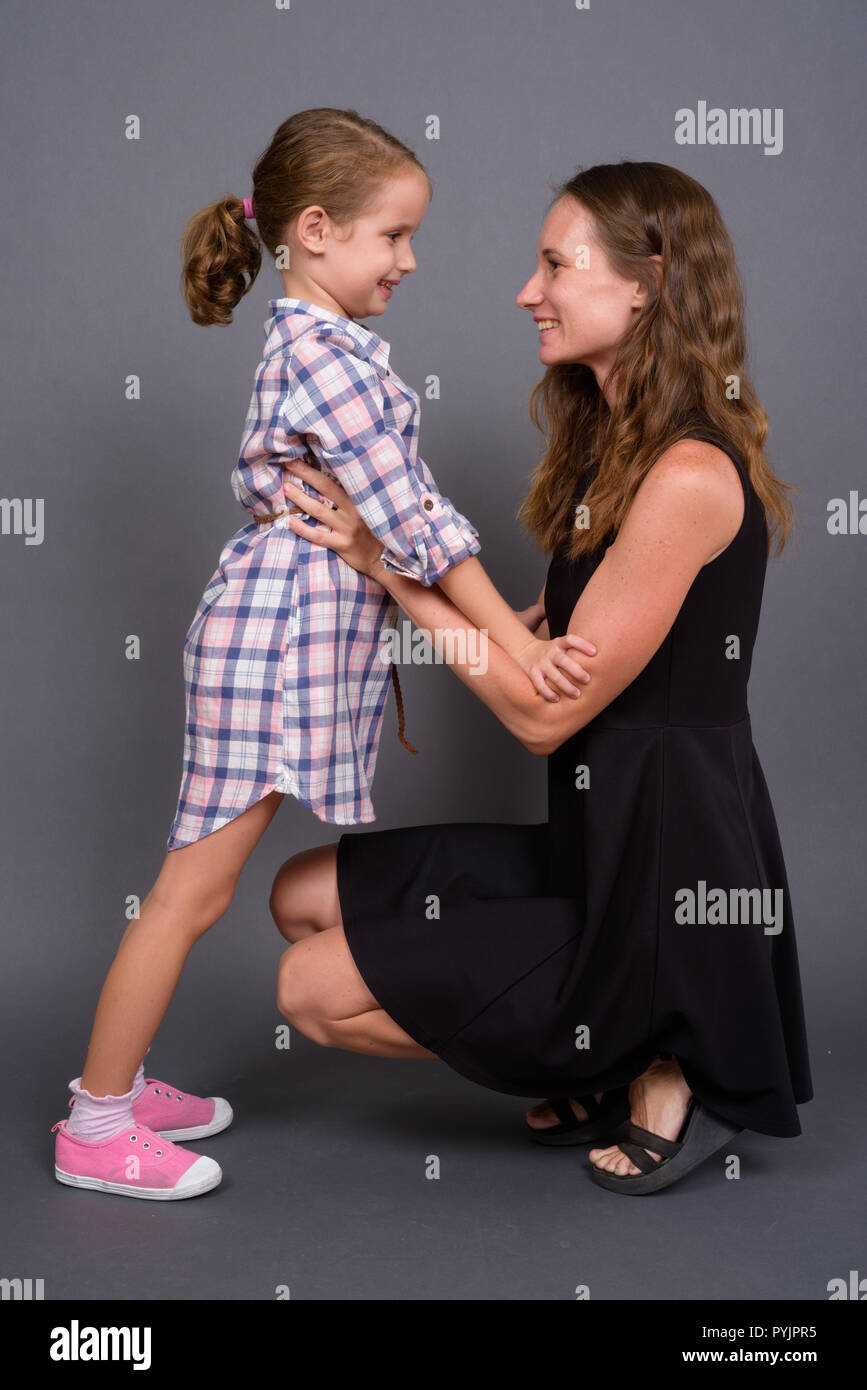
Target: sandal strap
(565,1114)
(596,1109)
(667,1147)
(640,1157)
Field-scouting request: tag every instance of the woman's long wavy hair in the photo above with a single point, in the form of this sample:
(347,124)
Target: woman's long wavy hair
(325,156)
(683,364)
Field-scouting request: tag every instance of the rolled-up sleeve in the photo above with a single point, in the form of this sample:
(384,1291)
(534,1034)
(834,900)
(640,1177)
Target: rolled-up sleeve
(336,402)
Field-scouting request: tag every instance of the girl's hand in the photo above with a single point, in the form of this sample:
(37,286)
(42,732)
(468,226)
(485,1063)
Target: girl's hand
(343,530)
(551,667)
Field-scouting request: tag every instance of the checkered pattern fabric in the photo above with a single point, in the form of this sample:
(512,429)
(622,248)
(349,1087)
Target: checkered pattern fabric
(283,672)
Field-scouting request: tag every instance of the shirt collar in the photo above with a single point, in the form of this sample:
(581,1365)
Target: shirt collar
(289,317)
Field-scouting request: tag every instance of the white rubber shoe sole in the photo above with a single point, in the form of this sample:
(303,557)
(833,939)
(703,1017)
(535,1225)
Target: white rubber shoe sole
(200,1177)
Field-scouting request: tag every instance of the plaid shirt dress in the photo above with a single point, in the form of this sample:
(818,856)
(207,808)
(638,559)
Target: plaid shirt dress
(284,678)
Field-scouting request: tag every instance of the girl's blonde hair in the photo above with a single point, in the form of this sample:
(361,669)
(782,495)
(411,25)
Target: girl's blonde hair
(681,364)
(335,159)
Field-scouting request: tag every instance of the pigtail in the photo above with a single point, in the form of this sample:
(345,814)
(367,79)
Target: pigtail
(219,249)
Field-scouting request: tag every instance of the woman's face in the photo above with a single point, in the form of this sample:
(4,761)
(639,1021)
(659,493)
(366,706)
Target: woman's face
(589,307)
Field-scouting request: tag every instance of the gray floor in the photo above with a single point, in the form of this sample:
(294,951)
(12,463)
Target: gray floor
(324,1191)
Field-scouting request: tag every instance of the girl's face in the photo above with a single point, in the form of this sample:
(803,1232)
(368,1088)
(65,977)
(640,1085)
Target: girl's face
(582,308)
(344,270)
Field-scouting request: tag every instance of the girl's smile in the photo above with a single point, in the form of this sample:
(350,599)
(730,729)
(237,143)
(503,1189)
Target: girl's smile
(340,270)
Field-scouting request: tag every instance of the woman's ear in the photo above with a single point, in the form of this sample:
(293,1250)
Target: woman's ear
(641,292)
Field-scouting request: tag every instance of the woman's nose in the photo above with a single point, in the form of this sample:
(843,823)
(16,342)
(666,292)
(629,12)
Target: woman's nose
(527,296)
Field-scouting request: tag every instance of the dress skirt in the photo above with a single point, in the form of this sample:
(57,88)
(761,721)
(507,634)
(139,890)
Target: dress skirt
(649,914)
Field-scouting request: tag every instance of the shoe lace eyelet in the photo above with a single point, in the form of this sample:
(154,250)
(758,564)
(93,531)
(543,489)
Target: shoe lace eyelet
(168,1093)
(146,1144)
(179,1097)
(133,1138)
(157,1091)
(158,1152)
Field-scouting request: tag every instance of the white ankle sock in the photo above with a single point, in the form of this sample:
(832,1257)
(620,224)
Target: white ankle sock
(99,1117)
(138,1084)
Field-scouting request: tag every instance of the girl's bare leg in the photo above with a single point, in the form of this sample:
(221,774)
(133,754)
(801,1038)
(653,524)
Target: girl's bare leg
(319,988)
(193,890)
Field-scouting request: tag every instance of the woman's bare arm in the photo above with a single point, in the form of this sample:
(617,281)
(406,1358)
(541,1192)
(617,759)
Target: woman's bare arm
(687,509)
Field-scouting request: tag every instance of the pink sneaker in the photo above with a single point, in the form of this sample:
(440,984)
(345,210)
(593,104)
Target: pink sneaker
(178,1115)
(134,1163)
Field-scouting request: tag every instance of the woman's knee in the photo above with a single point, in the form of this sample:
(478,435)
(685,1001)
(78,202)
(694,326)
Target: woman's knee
(298,998)
(303,897)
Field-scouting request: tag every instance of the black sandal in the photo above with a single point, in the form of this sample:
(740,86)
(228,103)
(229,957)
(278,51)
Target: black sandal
(701,1134)
(603,1117)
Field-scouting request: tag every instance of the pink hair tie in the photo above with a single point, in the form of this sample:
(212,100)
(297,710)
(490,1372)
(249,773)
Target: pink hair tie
(248,208)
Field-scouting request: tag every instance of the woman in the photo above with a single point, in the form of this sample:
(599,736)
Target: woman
(636,951)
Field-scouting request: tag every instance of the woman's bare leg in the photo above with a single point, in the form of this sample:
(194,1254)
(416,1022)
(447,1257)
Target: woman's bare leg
(322,994)
(658,1101)
(319,988)
(194,888)
(304,898)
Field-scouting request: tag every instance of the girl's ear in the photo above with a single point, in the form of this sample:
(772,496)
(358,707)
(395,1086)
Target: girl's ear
(312,228)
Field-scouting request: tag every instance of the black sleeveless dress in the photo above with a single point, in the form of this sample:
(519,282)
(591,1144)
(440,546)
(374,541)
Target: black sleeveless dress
(649,914)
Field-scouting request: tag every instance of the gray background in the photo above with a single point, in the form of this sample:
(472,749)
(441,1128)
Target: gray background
(324,1186)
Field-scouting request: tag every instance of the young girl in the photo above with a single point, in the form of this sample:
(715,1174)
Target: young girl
(284,680)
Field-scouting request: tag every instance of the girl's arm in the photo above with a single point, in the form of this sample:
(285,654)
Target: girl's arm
(470,590)
(686,510)
(334,401)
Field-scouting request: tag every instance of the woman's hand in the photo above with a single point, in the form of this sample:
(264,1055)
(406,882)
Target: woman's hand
(551,665)
(548,664)
(343,530)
